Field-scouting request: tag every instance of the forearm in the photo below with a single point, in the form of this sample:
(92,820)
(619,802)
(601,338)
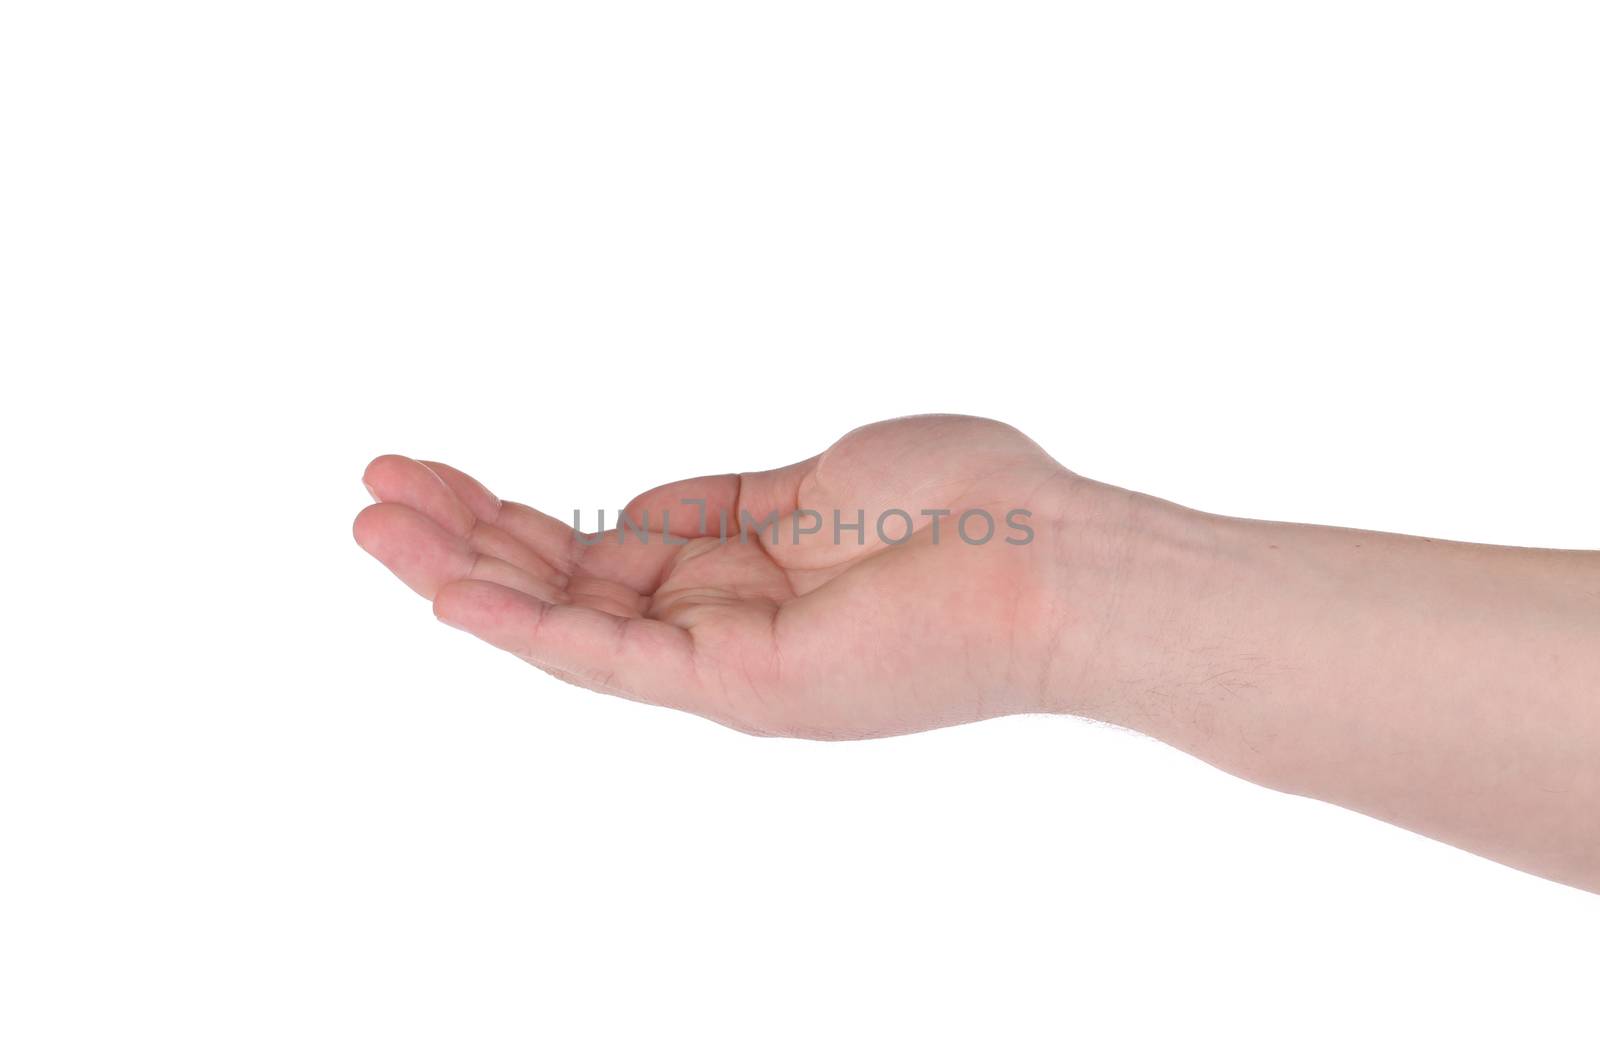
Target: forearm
(1453,689)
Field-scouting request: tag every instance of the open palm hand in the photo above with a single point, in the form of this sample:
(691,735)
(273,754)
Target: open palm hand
(743,602)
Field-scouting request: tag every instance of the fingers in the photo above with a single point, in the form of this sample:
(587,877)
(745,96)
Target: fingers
(523,581)
(427,557)
(725,499)
(549,537)
(472,493)
(706,506)
(614,573)
(498,571)
(775,490)
(414,547)
(399,479)
(643,659)
(461,506)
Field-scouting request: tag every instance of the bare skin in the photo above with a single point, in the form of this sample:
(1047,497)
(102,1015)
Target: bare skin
(1453,689)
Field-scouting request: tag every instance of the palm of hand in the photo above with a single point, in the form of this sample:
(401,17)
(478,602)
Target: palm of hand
(769,629)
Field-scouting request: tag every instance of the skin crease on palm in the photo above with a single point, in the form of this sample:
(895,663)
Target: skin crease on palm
(1449,688)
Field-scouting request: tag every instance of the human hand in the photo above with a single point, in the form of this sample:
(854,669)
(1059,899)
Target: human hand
(1390,674)
(776,633)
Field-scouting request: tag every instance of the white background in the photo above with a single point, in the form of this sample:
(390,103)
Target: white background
(1330,262)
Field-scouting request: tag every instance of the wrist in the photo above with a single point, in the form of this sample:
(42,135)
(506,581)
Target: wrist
(1128,578)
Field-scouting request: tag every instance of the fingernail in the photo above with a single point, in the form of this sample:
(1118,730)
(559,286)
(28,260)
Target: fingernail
(371,491)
